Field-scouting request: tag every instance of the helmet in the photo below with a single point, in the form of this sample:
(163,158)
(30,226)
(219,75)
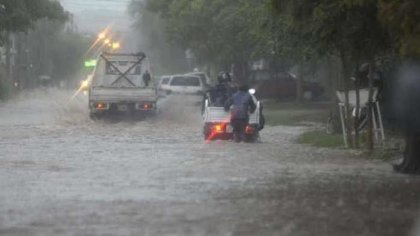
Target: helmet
(221,77)
(227,77)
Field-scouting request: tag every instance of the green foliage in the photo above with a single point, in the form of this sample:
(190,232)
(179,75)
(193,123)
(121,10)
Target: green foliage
(5,89)
(67,54)
(359,29)
(55,51)
(291,114)
(219,32)
(321,139)
(224,32)
(165,57)
(350,28)
(401,18)
(19,15)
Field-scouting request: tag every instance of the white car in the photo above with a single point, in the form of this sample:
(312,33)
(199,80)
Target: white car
(164,82)
(203,76)
(182,84)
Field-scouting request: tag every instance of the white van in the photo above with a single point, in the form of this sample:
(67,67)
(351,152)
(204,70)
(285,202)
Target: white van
(182,84)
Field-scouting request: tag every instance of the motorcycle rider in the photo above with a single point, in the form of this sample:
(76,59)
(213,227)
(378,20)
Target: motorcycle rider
(230,89)
(218,94)
(240,104)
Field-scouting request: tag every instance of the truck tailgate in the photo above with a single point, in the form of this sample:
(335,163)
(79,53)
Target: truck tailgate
(123,94)
(218,114)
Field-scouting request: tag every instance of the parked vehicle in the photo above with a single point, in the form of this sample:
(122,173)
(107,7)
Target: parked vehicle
(283,86)
(203,76)
(186,84)
(117,87)
(182,84)
(163,84)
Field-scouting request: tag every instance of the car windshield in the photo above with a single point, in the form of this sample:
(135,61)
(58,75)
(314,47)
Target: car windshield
(165,80)
(185,81)
(202,77)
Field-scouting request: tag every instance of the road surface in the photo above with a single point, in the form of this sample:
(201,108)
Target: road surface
(62,174)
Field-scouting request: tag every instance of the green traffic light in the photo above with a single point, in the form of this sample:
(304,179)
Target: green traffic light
(90,63)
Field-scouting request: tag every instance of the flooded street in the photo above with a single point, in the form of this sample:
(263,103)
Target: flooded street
(63,174)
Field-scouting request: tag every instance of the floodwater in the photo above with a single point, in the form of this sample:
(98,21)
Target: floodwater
(63,174)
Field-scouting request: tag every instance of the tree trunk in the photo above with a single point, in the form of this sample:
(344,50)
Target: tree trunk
(356,118)
(335,75)
(8,59)
(18,62)
(411,162)
(346,73)
(299,91)
(370,143)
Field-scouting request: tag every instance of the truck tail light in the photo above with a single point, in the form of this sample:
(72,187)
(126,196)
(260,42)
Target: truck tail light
(147,106)
(101,106)
(218,128)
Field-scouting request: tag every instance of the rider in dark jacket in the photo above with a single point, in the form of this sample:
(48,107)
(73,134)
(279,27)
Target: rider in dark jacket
(216,95)
(221,92)
(240,105)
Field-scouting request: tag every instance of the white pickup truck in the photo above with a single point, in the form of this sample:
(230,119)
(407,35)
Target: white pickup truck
(117,87)
(217,123)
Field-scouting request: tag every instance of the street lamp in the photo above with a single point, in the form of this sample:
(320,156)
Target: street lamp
(101,36)
(116,45)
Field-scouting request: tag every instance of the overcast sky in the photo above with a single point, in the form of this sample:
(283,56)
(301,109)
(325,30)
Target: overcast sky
(94,15)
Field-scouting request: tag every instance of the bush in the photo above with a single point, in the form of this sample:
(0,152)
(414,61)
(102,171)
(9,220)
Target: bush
(5,90)
(291,114)
(321,139)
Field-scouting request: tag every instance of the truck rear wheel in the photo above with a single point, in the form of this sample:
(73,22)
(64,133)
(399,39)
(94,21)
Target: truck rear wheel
(94,116)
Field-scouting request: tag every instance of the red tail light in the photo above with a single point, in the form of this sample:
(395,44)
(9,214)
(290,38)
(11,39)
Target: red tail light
(100,106)
(145,106)
(218,128)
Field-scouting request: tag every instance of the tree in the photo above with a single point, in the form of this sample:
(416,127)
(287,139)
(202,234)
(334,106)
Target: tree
(349,29)
(50,48)
(166,57)
(401,18)
(19,16)
(218,32)
(283,45)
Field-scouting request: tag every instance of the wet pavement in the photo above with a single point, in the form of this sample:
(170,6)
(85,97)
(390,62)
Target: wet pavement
(62,174)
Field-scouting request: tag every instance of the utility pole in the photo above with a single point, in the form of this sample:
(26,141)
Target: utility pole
(7,44)
(8,58)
